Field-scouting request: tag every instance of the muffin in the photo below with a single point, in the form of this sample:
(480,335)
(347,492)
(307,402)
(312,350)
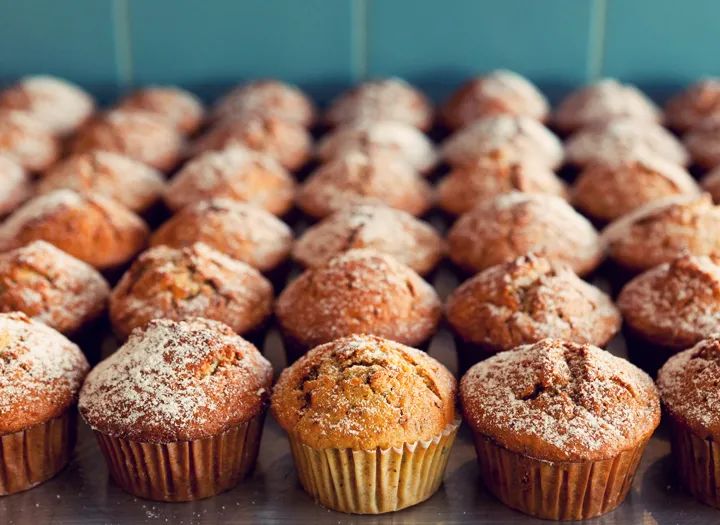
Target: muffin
(605,192)
(122,179)
(559,427)
(382,99)
(91,228)
(711,184)
(267,98)
(26,141)
(58,104)
(497,92)
(602,101)
(190,282)
(139,134)
(178,107)
(15,185)
(513,224)
(371,423)
(695,104)
(235,173)
(40,376)
(688,385)
(178,410)
(376,227)
(374,177)
(519,137)
(408,142)
(703,143)
(357,292)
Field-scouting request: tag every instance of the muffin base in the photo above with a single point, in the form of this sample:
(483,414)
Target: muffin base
(34,455)
(183,470)
(374,481)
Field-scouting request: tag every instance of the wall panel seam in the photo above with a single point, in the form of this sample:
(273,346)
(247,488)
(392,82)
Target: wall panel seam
(123,43)
(360,32)
(597,36)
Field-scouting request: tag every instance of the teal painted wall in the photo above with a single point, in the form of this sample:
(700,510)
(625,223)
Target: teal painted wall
(326,45)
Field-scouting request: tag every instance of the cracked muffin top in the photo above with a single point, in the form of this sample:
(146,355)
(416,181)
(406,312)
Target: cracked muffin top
(15,185)
(190,282)
(176,381)
(364,392)
(529,299)
(560,401)
(693,105)
(180,108)
(26,141)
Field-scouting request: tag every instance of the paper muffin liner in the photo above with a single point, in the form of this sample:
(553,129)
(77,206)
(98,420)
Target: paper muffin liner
(556,490)
(374,481)
(183,470)
(36,454)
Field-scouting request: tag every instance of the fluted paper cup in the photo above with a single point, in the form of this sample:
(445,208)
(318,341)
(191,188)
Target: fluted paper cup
(698,462)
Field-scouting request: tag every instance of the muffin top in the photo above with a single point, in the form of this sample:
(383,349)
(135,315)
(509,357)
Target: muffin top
(602,101)
(242,231)
(660,231)
(15,185)
(382,99)
(398,137)
(122,179)
(694,104)
(529,299)
(235,173)
(364,392)
(499,91)
(560,401)
(176,381)
(689,385)
(520,137)
(58,104)
(703,142)
(675,304)
(190,282)
(374,177)
(513,224)
(26,141)
(92,228)
(40,373)
(377,227)
(180,108)
(359,291)
(51,286)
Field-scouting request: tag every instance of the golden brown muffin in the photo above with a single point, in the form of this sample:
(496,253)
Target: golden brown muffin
(569,419)
(90,227)
(235,173)
(180,108)
(703,143)
(383,99)
(174,387)
(26,141)
(377,227)
(496,92)
(140,135)
(693,105)
(58,104)
(15,185)
(122,179)
(40,376)
(376,177)
(513,224)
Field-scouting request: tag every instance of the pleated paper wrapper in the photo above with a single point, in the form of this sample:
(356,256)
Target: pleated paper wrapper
(698,463)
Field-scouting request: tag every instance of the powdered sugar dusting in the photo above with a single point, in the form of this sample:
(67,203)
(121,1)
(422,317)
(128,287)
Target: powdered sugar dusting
(14,185)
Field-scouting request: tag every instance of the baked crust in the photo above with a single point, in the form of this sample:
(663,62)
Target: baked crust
(26,141)
(180,108)
(693,105)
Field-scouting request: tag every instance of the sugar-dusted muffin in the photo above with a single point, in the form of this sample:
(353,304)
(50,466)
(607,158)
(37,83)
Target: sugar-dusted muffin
(234,173)
(183,403)
(382,99)
(373,226)
(693,105)
(602,101)
(605,192)
(499,91)
(268,98)
(180,108)
(51,286)
(519,137)
(26,141)
(703,143)
(374,177)
(513,224)
(58,104)
(287,142)
(138,134)
(133,184)
(40,376)
(389,408)
(403,139)
(569,420)
(357,292)
(15,185)
(92,228)
(182,283)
